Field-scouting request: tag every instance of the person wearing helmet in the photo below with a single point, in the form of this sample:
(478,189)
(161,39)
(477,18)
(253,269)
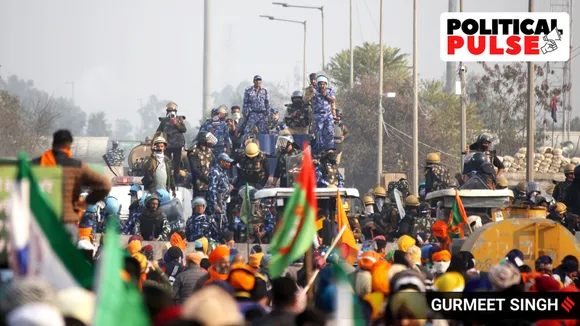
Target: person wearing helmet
(199,225)
(90,217)
(483,145)
(111,210)
(275,125)
(152,223)
(255,108)
(380,195)
(310,91)
(289,158)
(219,190)
(519,192)
(173,128)
(341,132)
(502,182)
(115,155)
(437,176)
(219,129)
(561,186)
(482,168)
(298,114)
(253,167)
(411,214)
(572,193)
(323,113)
(157,168)
(326,169)
(200,159)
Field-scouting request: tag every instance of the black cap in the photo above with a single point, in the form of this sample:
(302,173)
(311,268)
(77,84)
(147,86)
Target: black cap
(312,76)
(257,77)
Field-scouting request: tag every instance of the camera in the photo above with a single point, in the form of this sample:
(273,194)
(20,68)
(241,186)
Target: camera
(463,69)
(171,115)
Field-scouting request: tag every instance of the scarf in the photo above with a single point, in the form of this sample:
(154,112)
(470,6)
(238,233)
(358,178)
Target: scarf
(177,241)
(215,276)
(47,159)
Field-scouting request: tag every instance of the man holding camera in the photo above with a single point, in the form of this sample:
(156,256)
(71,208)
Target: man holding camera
(173,126)
(157,169)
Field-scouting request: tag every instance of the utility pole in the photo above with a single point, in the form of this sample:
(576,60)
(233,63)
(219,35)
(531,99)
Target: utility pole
(450,66)
(380,131)
(72,83)
(415,189)
(304,75)
(206,58)
(323,42)
(351,51)
(531,116)
(463,114)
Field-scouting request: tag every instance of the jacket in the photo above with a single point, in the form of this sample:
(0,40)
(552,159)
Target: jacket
(77,175)
(152,225)
(185,283)
(174,133)
(149,168)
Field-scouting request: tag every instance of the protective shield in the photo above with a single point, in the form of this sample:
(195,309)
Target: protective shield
(136,158)
(267,144)
(293,165)
(173,209)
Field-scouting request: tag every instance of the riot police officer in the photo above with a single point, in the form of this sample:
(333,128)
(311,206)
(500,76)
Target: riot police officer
(436,175)
(253,167)
(326,169)
(483,145)
(287,148)
(561,186)
(298,115)
(200,159)
(407,224)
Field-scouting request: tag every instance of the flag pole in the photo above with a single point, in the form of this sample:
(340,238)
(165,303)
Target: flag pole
(309,267)
(311,280)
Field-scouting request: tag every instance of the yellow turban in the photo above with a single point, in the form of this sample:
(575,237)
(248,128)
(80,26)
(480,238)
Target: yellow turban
(449,282)
(405,242)
(134,247)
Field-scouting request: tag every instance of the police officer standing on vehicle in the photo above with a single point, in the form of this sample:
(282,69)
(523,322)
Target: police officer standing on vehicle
(255,108)
(115,155)
(253,167)
(219,190)
(274,124)
(323,112)
(173,126)
(436,175)
(560,188)
(200,160)
(286,149)
(298,115)
(218,127)
(341,132)
(483,145)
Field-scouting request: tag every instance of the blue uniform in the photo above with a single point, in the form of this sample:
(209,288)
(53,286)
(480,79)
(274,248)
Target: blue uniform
(217,195)
(323,121)
(130,224)
(324,182)
(199,226)
(89,218)
(220,130)
(255,110)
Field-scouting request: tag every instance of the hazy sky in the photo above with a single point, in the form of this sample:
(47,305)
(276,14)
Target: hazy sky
(119,51)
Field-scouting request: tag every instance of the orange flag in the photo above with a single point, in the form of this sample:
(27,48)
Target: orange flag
(347,237)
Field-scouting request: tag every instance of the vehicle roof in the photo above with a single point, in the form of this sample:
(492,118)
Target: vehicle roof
(121,192)
(470,193)
(320,193)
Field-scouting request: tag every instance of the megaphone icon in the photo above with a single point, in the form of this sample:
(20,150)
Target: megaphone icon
(553,35)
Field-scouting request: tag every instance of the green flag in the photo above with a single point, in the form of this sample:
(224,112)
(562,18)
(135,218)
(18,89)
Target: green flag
(119,303)
(348,307)
(297,229)
(246,207)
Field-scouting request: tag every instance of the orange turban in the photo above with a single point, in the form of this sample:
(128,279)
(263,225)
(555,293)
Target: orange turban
(242,277)
(218,254)
(134,247)
(177,241)
(405,242)
(442,255)
(256,260)
(85,233)
(439,229)
(368,259)
(380,281)
(194,258)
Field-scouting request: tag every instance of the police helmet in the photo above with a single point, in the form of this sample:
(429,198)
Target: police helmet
(274,111)
(412,200)
(91,209)
(569,168)
(135,188)
(214,112)
(560,208)
(379,192)
(547,199)
(112,206)
(339,113)
(199,201)
(297,94)
(477,160)
(485,137)
(115,143)
(368,200)
(163,195)
(322,79)
(533,187)
(144,199)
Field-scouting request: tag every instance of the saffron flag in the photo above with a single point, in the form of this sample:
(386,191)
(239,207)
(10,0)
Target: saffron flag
(118,302)
(457,216)
(298,226)
(347,237)
(41,247)
(554,109)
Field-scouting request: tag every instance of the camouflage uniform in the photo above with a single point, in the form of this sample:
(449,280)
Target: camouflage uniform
(323,121)
(220,130)
(218,195)
(327,174)
(560,189)
(297,116)
(424,223)
(199,226)
(281,166)
(115,156)
(253,170)
(437,177)
(255,110)
(200,162)
(275,126)
(267,228)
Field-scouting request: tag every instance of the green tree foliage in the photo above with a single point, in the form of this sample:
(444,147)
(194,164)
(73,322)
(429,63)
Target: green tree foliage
(366,64)
(98,126)
(150,114)
(501,95)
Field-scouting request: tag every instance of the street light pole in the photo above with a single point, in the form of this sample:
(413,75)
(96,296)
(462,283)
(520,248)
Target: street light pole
(286,5)
(531,115)
(380,126)
(463,112)
(207,58)
(304,76)
(351,51)
(415,189)
(72,83)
